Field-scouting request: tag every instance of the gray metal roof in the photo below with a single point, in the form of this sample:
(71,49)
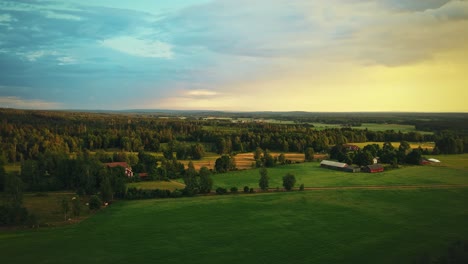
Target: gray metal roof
(334,164)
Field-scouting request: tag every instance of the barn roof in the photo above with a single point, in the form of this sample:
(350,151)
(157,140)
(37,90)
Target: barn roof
(375,166)
(334,164)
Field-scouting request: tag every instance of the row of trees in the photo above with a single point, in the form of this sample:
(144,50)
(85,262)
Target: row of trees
(404,154)
(24,135)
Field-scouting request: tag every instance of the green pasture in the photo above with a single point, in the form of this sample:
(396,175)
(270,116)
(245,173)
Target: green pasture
(346,226)
(46,206)
(373,127)
(423,145)
(152,185)
(452,170)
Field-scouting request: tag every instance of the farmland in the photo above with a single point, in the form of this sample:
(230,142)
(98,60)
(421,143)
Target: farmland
(450,171)
(352,226)
(339,218)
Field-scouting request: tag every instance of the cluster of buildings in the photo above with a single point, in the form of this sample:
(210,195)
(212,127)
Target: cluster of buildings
(334,165)
(128,170)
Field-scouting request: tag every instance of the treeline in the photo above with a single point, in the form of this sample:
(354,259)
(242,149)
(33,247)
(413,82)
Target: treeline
(24,135)
(388,154)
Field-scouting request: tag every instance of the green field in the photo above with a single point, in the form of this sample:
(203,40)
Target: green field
(423,145)
(373,127)
(352,226)
(162,185)
(452,170)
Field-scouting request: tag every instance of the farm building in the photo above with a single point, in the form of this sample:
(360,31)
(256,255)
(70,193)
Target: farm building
(334,165)
(352,169)
(143,176)
(128,169)
(425,162)
(434,160)
(373,168)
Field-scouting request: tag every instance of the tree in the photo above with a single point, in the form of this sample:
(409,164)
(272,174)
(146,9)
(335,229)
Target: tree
(225,163)
(190,180)
(363,158)
(309,154)
(221,190)
(282,159)
(76,207)
(372,149)
(14,190)
(288,181)
(107,193)
(94,202)
(198,151)
(258,153)
(264,179)
(65,207)
(414,157)
(206,182)
(268,160)
(3,173)
(301,188)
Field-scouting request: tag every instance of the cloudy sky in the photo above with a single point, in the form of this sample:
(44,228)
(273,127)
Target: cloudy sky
(235,55)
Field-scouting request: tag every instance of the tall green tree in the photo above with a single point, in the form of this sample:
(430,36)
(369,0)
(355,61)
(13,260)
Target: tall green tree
(14,190)
(206,182)
(190,179)
(263,183)
(107,193)
(3,173)
(309,154)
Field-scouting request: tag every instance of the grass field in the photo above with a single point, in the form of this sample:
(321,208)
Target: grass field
(452,170)
(300,227)
(13,168)
(373,127)
(423,145)
(162,185)
(46,207)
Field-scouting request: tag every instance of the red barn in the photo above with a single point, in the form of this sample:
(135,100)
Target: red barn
(374,168)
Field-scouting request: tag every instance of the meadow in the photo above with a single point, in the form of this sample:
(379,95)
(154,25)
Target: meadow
(373,127)
(452,170)
(333,226)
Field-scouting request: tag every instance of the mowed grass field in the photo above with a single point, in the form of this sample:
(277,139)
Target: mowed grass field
(452,170)
(345,226)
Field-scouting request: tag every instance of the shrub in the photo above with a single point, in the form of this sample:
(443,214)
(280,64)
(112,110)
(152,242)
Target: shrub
(301,188)
(234,190)
(76,207)
(176,194)
(246,189)
(16,216)
(288,181)
(251,190)
(95,202)
(221,190)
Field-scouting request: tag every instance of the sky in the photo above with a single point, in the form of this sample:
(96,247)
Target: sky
(235,55)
